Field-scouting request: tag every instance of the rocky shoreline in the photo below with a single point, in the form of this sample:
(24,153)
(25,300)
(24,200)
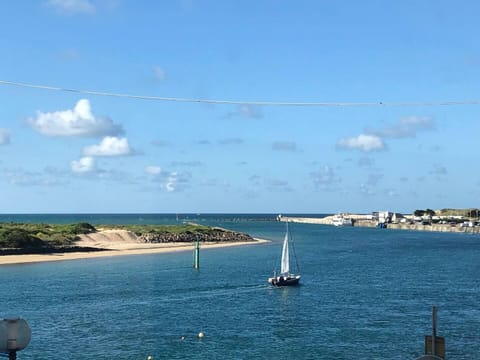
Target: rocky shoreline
(214,235)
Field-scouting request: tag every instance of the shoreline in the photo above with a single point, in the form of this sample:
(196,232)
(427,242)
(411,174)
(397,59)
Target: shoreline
(117,243)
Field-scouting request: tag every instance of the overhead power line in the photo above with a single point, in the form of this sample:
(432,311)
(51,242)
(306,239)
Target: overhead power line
(238,102)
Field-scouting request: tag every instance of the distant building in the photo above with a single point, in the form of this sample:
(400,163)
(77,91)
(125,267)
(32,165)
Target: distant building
(382,217)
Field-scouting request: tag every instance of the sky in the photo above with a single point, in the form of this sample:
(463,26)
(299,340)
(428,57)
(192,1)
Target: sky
(81,152)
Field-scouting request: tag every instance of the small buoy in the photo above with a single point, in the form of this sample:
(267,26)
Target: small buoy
(149,358)
(182,338)
(201,334)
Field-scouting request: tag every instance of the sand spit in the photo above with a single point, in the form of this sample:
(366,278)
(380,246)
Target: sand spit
(115,243)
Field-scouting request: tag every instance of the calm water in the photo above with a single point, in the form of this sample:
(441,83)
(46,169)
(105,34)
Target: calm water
(366,294)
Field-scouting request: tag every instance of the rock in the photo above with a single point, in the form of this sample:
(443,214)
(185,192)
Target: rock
(213,235)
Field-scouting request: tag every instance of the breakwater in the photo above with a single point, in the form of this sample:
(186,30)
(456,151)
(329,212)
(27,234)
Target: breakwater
(213,235)
(361,220)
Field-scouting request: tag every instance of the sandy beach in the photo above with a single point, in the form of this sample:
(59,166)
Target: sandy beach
(115,243)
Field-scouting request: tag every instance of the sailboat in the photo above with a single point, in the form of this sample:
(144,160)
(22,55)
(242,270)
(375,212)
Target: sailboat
(285,278)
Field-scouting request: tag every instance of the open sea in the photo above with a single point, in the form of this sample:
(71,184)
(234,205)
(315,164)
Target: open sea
(365,293)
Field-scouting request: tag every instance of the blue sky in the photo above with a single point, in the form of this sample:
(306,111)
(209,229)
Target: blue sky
(70,152)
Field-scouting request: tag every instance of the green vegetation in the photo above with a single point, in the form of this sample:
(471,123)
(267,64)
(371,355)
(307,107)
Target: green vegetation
(469,213)
(22,235)
(62,236)
(424,212)
(466,213)
(162,229)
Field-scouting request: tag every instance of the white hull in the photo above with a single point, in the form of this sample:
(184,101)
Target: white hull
(339,220)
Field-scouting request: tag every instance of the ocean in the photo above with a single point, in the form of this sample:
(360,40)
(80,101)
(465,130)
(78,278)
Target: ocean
(365,293)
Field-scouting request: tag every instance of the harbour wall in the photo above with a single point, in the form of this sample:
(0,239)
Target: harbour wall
(364,221)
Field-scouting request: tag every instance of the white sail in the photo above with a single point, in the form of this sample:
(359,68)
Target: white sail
(285,278)
(285,268)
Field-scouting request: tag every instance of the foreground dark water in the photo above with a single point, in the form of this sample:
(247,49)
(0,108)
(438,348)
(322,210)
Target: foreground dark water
(365,294)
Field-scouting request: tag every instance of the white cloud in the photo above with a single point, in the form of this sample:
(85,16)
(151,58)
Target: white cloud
(362,142)
(84,165)
(325,178)
(177,182)
(159,73)
(171,182)
(109,146)
(153,170)
(77,122)
(72,6)
(4,136)
(406,127)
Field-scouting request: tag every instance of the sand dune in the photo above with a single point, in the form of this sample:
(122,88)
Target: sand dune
(110,239)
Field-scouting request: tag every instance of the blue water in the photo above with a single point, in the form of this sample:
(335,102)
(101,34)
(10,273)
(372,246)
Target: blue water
(365,294)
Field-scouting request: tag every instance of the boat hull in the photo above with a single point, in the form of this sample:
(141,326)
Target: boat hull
(290,280)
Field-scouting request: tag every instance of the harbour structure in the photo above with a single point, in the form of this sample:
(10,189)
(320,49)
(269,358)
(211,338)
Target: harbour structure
(342,220)
(396,220)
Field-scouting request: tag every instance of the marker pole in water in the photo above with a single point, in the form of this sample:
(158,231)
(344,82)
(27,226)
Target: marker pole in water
(196,255)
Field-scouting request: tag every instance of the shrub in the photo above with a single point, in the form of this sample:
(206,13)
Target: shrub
(19,238)
(83,228)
